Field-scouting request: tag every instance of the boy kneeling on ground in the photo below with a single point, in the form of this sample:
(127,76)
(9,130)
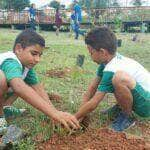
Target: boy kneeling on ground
(126,78)
(18,78)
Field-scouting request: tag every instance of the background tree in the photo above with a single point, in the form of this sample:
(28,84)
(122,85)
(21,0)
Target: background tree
(2,4)
(101,3)
(114,3)
(82,3)
(63,6)
(137,2)
(86,3)
(55,4)
(88,6)
(15,4)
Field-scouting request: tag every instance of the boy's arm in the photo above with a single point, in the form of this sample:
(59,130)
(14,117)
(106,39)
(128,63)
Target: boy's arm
(41,91)
(90,105)
(31,97)
(91,90)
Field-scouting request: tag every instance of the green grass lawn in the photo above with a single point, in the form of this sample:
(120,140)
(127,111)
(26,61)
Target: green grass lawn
(61,52)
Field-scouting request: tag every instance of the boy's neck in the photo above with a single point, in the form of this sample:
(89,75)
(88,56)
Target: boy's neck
(16,55)
(109,58)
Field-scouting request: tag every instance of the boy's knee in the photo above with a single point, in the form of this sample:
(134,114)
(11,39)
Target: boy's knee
(122,78)
(3,82)
(119,77)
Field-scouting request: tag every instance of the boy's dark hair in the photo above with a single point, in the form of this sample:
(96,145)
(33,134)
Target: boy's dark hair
(102,37)
(29,37)
(32,5)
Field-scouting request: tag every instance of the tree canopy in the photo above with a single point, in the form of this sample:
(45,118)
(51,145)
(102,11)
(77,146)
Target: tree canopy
(137,2)
(14,4)
(114,3)
(99,3)
(55,4)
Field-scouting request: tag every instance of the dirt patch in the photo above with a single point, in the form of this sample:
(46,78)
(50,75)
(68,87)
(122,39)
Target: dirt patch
(59,72)
(46,47)
(142,129)
(55,97)
(85,122)
(63,72)
(38,138)
(145,128)
(56,73)
(98,139)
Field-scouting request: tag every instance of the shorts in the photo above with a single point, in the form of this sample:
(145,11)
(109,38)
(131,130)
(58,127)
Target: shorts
(141,101)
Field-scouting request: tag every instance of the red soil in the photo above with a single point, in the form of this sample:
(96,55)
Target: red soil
(55,73)
(54,97)
(63,72)
(95,139)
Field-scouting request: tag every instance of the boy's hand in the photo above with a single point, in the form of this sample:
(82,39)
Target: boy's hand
(69,121)
(85,121)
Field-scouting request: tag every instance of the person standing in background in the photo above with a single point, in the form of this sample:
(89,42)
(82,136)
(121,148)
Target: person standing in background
(78,18)
(32,16)
(58,21)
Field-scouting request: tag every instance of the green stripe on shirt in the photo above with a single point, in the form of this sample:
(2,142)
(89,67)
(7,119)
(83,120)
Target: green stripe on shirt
(12,69)
(106,82)
(100,69)
(31,78)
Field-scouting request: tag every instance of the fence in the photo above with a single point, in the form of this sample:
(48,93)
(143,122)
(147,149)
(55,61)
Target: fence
(96,15)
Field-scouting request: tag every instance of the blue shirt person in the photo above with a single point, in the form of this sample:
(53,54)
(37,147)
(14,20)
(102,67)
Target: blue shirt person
(77,18)
(32,15)
(78,12)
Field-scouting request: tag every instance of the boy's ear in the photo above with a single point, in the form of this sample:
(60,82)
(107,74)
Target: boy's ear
(18,48)
(102,50)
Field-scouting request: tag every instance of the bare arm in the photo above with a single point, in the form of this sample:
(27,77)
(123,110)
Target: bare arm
(90,105)
(30,96)
(91,90)
(41,91)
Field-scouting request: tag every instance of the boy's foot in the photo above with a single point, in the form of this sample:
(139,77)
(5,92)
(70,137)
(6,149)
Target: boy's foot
(112,111)
(12,112)
(122,122)
(13,135)
(3,125)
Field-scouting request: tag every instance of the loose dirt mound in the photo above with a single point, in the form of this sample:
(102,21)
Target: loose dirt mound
(59,72)
(63,72)
(100,139)
(54,97)
(56,73)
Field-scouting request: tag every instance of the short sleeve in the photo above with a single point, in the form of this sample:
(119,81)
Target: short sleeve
(31,78)
(106,83)
(99,71)
(12,69)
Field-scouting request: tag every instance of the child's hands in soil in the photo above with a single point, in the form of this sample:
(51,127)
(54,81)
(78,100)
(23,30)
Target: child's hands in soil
(67,120)
(84,122)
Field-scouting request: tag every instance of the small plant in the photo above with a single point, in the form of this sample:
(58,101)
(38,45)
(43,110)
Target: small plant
(117,23)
